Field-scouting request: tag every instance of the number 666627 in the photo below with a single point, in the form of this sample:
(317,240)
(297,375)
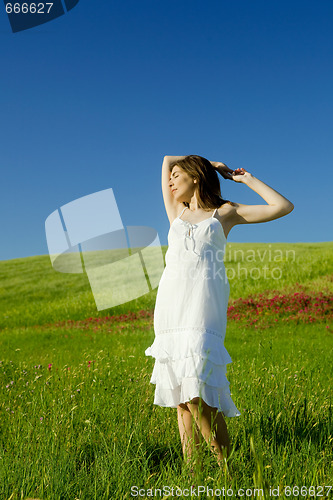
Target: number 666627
(25,8)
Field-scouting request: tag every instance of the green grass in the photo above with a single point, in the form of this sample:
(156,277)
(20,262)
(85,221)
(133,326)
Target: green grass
(77,414)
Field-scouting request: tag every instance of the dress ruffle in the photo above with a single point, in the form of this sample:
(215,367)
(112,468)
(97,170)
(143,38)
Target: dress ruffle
(180,343)
(191,362)
(190,388)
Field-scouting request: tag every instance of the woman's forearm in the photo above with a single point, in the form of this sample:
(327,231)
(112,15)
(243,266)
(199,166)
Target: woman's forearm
(271,196)
(170,159)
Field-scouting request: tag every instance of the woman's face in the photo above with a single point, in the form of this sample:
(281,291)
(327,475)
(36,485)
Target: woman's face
(181,184)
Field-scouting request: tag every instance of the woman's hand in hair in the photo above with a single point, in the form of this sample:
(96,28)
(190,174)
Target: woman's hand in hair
(241,175)
(222,169)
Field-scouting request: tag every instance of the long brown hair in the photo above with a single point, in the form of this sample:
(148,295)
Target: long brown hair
(209,189)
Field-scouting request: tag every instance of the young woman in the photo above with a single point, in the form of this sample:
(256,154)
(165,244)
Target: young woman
(190,314)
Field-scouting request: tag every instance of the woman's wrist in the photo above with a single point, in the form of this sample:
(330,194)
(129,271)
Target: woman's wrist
(248,178)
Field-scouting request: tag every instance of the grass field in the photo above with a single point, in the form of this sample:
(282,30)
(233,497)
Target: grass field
(77,414)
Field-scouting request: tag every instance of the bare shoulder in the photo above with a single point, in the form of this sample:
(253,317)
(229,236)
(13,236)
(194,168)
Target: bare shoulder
(226,211)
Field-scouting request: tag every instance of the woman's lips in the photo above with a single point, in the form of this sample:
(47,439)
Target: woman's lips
(174,190)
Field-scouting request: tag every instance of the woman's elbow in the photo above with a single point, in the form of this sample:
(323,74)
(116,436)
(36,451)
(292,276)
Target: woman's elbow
(290,207)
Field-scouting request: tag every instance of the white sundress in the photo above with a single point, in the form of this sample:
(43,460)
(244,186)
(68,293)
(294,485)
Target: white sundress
(190,318)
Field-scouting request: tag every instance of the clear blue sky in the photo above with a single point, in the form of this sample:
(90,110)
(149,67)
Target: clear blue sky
(96,98)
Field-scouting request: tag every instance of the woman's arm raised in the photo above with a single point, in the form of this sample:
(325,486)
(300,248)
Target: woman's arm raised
(277,207)
(170,203)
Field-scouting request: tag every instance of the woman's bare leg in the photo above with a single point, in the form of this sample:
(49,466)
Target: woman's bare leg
(212,426)
(188,431)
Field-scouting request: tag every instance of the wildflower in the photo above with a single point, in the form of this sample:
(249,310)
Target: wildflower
(41,418)
(50,366)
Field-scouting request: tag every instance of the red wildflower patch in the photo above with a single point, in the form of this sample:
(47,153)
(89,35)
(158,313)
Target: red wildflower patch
(297,306)
(95,323)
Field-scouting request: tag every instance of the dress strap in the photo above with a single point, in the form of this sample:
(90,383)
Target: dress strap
(214,212)
(181,213)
